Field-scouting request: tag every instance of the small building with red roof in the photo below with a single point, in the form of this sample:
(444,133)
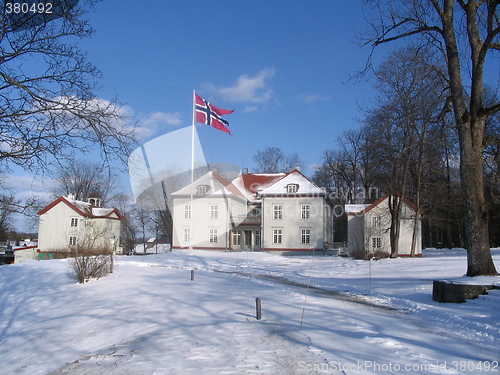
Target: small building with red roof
(369,227)
(67,222)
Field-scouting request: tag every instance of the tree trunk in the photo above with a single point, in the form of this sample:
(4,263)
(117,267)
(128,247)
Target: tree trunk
(395,209)
(479,261)
(470,124)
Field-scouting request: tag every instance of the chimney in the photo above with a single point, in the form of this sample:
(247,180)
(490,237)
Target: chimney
(297,167)
(245,171)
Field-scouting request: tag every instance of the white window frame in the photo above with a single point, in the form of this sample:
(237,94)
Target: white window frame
(305,236)
(187,211)
(305,211)
(74,222)
(187,234)
(376,243)
(376,221)
(237,238)
(292,188)
(213,238)
(277,236)
(214,211)
(278,212)
(72,240)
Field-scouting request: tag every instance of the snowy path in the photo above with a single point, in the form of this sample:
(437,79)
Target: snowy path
(149,318)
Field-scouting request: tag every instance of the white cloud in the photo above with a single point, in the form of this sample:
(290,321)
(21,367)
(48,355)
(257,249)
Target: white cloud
(251,108)
(313,98)
(25,186)
(123,117)
(247,89)
(151,123)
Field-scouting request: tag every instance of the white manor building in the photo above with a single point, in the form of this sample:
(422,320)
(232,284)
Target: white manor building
(279,212)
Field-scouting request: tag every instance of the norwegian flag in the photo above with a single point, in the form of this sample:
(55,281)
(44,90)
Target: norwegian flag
(209,114)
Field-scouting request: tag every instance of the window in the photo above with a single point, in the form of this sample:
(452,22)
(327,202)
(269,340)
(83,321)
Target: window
(277,236)
(305,236)
(214,212)
(213,236)
(376,221)
(255,212)
(237,238)
(248,237)
(187,234)
(187,212)
(376,243)
(305,211)
(292,188)
(72,240)
(257,238)
(74,221)
(278,212)
(202,189)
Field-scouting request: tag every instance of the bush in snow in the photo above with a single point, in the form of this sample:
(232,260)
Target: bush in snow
(90,263)
(368,255)
(91,258)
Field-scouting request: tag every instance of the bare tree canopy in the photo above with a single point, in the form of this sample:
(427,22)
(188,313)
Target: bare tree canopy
(464,34)
(273,160)
(48,109)
(85,179)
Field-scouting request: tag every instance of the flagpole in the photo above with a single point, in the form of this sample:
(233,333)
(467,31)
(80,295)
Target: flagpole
(192,176)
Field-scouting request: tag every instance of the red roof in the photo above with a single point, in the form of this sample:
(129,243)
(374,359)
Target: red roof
(380,200)
(228,185)
(256,181)
(83,211)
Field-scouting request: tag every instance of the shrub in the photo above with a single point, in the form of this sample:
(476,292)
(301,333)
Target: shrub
(368,255)
(89,264)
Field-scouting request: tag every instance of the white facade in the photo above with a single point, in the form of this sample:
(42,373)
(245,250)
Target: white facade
(268,212)
(295,215)
(67,222)
(206,220)
(25,253)
(368,228)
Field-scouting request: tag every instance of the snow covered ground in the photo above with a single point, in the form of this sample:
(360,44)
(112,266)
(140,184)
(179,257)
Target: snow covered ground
(148,317)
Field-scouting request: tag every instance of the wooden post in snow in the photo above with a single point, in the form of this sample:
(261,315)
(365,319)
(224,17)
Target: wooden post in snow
(258,308)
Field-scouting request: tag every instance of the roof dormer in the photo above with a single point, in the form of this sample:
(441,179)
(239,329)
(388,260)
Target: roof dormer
(202,189)
(292,188)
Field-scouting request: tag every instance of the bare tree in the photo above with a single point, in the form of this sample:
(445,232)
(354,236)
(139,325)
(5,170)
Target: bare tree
(128,228)
(8,207)
(84,178)
(48,109)
(465,33)
(273,160)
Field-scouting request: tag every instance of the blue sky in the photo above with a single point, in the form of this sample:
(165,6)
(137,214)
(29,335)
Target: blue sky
(282,65)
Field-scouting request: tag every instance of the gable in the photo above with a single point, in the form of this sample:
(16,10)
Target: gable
(252,183)
(79,209)
(213,185)
(293,184)
(382,204)
(83,209)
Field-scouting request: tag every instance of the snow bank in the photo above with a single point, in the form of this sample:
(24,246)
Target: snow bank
(149,317)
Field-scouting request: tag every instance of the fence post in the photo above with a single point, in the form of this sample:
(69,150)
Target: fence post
(192,275)
(258,308)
